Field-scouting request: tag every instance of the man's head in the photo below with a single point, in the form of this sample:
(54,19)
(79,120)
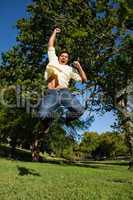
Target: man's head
(63,57)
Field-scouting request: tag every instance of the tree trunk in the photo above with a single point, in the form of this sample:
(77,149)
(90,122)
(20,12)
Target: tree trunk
(35,150)
(127,125)
(37,140)
(13,144)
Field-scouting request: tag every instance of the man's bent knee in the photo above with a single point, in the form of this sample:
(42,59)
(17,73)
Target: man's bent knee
(44,115)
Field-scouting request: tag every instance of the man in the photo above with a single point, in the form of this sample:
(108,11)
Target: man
(58,75)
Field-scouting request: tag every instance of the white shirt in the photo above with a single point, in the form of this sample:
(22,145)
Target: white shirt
(63,72)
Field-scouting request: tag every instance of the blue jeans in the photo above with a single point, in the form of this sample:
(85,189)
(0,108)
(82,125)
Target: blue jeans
(56,98)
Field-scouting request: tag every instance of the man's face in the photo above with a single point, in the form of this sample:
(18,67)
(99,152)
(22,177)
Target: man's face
(63,58)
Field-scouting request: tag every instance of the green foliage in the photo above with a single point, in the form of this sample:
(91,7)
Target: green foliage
(89,31)
(56,142)
(89,142)
(105,145)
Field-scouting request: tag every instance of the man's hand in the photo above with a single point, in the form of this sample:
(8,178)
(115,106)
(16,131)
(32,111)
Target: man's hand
(77,65)
(80,70)
(53,37)
(57,30)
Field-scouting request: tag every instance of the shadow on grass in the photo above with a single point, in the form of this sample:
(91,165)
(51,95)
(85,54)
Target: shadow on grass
(23,171)
(25,156)
(88,164)
(121,163)
(122,181)
(19,154)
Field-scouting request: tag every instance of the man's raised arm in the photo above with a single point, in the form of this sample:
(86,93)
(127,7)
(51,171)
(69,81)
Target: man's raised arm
(81,71)
(52,38)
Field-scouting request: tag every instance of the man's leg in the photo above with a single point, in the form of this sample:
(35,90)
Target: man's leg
(49,104)
(70,102)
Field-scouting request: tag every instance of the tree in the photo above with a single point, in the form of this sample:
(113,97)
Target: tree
(89,143)
(99,32)
(105,145)
(111,145)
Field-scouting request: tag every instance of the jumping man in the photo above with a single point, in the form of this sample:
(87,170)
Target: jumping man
(58,74)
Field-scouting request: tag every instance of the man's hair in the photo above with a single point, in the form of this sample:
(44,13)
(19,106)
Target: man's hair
(64,51)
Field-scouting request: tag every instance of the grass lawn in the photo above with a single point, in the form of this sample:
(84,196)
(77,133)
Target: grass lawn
(44,181)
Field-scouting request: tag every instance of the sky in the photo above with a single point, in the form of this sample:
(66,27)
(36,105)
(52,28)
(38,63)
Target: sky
(102,124)
(11,11)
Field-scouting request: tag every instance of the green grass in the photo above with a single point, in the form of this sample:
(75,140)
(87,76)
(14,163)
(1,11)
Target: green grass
(44,181)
